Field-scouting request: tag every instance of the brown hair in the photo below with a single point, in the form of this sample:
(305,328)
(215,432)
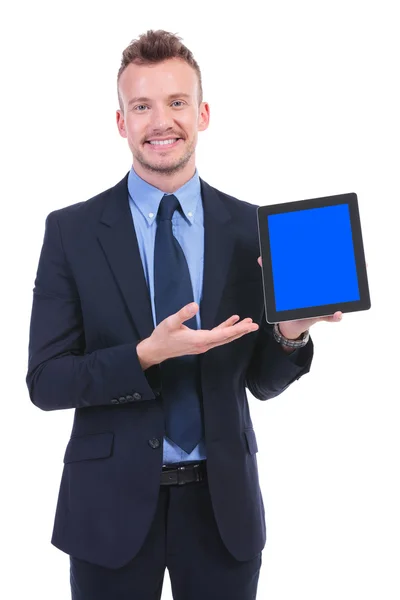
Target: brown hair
(155,47)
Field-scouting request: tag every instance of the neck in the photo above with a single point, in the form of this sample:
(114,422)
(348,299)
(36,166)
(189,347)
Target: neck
(167,183)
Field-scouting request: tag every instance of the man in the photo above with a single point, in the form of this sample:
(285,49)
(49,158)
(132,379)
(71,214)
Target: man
(148,320)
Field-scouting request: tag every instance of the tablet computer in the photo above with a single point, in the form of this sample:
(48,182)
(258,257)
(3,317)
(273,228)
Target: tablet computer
(313,261)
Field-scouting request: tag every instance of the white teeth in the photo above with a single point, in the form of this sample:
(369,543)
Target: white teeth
(163,142)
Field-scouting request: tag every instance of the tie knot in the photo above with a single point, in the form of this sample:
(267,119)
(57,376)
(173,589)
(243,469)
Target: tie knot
(168,205)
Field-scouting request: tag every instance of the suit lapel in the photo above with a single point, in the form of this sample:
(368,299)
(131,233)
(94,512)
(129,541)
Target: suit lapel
(119,242)
(118,239)
(218,248)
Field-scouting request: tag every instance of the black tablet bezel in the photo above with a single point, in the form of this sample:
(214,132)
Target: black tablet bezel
(274,316)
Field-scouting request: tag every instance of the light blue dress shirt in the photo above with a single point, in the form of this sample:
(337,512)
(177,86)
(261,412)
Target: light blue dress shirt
(144,200)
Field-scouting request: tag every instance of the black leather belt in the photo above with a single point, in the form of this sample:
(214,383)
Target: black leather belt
(180,474)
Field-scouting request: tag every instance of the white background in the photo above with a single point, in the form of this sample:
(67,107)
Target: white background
(304,102)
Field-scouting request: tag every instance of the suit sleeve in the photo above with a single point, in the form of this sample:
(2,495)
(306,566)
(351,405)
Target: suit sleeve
(271,370)
(60,374)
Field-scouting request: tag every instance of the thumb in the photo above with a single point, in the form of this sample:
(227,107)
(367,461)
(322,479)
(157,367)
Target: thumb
(185,313)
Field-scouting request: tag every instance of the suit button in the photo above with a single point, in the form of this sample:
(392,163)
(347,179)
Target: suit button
(137,396)
(129,398)
(122,400)
(157,394)
(154,442)
(115,401)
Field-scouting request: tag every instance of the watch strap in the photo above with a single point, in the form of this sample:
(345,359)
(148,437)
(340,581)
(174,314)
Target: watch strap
(281,339)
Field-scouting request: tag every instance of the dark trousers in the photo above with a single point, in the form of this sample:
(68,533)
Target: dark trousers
(184,539)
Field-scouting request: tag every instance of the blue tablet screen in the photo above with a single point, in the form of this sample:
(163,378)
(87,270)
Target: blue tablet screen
(312,257)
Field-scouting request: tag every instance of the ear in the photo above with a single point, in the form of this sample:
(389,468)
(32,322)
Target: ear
(121,123)
(204,116)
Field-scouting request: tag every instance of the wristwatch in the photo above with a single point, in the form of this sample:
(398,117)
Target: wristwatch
(281,339)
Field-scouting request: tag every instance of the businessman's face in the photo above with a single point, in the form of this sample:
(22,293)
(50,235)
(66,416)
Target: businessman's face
(161,102)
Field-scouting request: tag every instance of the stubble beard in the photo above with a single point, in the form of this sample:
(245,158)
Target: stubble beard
(166,169)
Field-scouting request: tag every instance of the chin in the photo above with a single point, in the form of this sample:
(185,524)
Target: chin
(166,163)
(163,163)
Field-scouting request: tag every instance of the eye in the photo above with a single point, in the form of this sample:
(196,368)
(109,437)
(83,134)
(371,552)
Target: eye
(177,102)
(140,106)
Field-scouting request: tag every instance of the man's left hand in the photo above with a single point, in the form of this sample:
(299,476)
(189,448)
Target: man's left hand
(293,329)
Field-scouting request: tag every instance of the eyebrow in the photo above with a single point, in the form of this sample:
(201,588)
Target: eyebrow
(144,99)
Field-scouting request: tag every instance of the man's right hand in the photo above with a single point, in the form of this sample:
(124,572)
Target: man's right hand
(172,338)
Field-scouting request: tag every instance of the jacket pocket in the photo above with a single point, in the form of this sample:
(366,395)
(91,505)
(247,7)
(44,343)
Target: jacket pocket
(88,447)
(251,440)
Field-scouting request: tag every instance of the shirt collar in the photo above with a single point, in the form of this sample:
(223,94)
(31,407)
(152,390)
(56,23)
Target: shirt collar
(147,198)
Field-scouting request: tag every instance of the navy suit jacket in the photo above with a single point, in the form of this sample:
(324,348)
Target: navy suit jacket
(91,307)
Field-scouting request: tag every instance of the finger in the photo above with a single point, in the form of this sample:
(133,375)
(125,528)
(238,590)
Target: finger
(335,318)
(227,334)
(184,314)
(233,319)
(227,340)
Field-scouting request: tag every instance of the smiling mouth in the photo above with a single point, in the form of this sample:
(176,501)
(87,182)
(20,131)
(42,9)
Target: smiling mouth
(163,143)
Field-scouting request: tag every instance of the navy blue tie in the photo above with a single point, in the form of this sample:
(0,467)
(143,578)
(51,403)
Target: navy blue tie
(180,376)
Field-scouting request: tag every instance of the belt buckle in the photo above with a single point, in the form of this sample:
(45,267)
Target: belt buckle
(199,472)
(180,469)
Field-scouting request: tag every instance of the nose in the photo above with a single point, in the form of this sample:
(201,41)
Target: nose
(161,118)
